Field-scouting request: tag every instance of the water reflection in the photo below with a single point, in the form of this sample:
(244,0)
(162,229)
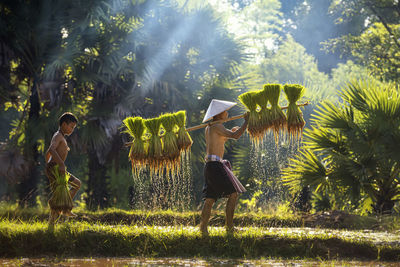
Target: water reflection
(106,262)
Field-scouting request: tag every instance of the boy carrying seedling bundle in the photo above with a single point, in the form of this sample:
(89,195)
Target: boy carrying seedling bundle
(219,179)
(61,200)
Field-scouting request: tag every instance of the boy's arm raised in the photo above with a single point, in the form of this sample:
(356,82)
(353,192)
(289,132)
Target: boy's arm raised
(236,133)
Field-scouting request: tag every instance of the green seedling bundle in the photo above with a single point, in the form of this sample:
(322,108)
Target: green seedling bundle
(171,151)
(158,142)
(137,153)
(295,121)
(277,116)
(248,99)
(184,139)
(60,200)
(265,113)
(154,153)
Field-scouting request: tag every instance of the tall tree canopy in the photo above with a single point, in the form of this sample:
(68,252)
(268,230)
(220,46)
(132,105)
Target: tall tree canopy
(377,45)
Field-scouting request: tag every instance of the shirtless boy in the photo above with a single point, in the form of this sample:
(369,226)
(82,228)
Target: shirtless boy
(56,155)
(217,181)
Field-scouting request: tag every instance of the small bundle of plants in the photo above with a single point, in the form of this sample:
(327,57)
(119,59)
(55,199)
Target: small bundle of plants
(155,151)
(60,200)
(184,139)
(295,120)
(137,153)
(254,127)
(277,117)
(264,113)
(170,149)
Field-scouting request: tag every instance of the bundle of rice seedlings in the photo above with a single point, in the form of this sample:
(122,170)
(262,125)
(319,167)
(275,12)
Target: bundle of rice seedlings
(254,127)
(170,150)
(277,117)
(295,121)
(184,139)
(154,152)
(60,200)
(264,113)
(137,153)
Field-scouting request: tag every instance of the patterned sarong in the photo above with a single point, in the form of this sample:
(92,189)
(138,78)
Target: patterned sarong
(228,169)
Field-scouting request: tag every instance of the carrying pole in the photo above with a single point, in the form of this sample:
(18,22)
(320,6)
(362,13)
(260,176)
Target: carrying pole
(222,121)
(229,119)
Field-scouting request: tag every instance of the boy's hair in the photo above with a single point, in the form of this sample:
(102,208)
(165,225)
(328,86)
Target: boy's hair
(67,117)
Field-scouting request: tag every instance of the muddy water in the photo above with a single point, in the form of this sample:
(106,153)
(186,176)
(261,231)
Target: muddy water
(105,262)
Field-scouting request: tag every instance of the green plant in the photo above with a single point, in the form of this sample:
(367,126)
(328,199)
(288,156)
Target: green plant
(60,200)
(184,139)
(170,148)
(265,113)
(321,201)
(278,118)
(248,99)
(352,149)
(154,154)
(137,153)
(295,121)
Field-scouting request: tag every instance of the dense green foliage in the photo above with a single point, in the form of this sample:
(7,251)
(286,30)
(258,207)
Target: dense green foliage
(351,152)
(377,44)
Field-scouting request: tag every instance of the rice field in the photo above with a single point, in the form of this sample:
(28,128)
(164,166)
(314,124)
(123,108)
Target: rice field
(82,239)
(169,236)
(119,238)
(195,261)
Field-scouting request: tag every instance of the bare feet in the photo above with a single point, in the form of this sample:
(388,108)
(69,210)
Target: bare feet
(50,227)
(231,230)
(53,217)
(205,234)
(65,219)
(204,231)
(69,214)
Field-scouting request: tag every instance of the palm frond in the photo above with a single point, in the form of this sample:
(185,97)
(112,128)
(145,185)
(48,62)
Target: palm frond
(305,169)
(329,115)
(355,95)
(325,139)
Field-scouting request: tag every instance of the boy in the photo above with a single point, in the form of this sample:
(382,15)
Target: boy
(56,155)
(219,179)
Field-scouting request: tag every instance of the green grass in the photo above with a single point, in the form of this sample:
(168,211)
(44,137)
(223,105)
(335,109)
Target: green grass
(120,233)
(193,261)
(82,239)
(158,217)
(192,218)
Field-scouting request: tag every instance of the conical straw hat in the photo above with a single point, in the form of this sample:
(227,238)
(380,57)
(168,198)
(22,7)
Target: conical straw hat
(216,107)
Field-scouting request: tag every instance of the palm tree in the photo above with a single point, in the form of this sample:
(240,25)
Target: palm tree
(41,38)
(32,41)
(105,73)
(352,149)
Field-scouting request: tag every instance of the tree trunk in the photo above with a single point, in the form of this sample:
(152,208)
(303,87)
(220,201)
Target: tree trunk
(97,184)
(384,204)
(27,189)
(302,201)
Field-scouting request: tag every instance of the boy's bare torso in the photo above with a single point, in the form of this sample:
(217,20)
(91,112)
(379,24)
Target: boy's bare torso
(59,145)
(215,142)
(216,136)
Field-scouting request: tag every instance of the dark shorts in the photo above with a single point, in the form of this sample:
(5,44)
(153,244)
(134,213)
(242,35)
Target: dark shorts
(217,183)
